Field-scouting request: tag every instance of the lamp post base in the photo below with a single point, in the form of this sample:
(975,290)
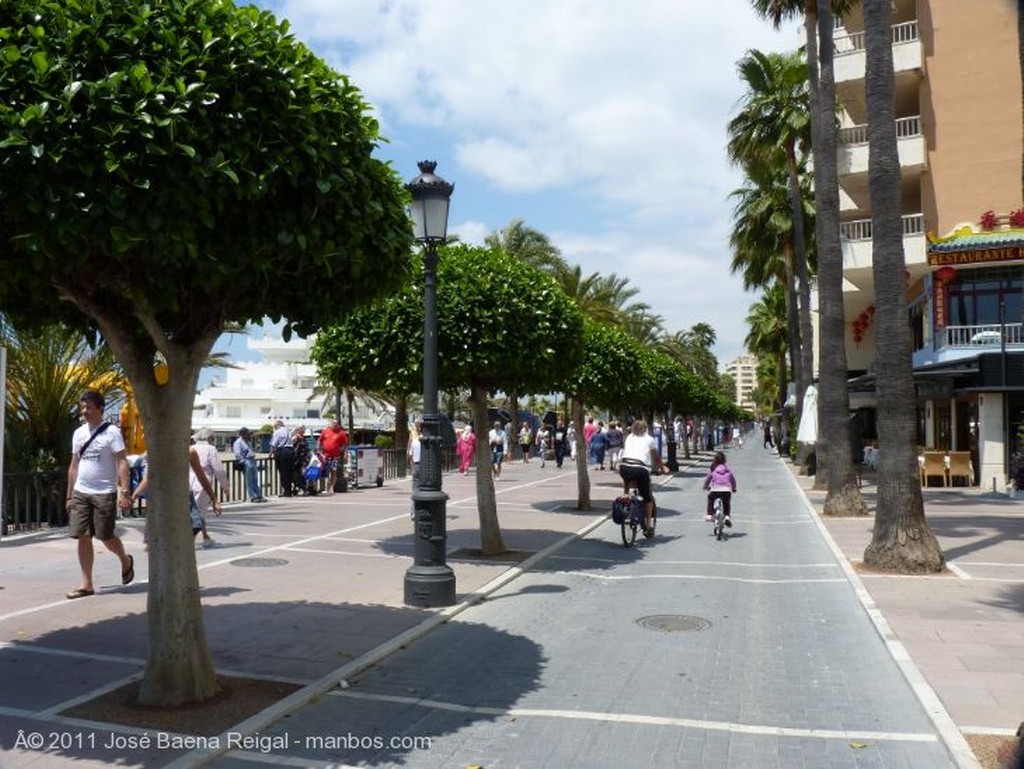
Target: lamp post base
(429,586)
(430,582)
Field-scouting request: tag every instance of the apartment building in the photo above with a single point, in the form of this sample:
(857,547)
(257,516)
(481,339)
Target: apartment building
(743,371)
(958,123)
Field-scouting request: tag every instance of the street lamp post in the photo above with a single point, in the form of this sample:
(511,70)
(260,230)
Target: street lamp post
(430,581)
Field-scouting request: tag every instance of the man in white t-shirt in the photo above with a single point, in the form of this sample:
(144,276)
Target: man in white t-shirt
(97,488)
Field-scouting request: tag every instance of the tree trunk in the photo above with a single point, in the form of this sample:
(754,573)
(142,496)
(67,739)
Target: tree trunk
(792,330)
(179,668)
(802,274)
(833,445)
(582,472)
(513,436)
(486,501)
(401,421)
(902,540)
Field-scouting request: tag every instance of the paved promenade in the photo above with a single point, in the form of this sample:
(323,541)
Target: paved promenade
(766,650)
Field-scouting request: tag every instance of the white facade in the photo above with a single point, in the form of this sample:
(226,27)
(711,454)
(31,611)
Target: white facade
(282,385)
(743,370)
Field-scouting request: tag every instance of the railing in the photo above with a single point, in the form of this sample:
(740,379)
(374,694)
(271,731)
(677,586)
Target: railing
(906,128)
(33,501)
(983,336)
(905,32)
(860,229)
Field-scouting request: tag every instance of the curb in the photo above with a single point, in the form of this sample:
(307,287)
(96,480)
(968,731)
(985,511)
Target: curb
(949,732)
(338,676)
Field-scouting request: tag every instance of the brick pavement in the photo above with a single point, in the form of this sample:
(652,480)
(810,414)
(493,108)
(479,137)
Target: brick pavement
(321,599)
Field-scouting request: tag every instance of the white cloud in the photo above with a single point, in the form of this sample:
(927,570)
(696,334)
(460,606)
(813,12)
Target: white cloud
(618,107)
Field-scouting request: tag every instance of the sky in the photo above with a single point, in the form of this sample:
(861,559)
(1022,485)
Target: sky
(599,123)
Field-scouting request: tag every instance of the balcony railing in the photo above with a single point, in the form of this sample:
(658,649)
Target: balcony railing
(860,229)
(905,32)
(981,337)
(906,128)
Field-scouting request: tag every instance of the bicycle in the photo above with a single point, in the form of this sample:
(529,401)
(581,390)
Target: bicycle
(719,519)
(628,512)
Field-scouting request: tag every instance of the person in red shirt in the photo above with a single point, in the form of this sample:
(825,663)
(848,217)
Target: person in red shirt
(333,443)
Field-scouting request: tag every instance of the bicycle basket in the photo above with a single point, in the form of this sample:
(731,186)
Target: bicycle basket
(620,510)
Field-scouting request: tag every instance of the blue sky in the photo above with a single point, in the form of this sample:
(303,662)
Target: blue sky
(600,123)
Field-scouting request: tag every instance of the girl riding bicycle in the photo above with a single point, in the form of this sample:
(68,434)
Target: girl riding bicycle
(639,456)
(720,483)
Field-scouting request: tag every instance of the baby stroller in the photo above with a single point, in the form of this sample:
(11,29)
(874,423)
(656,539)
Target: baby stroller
(315,470)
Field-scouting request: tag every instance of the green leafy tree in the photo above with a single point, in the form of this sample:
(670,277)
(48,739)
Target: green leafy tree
(502,325)
(607,375)
(167,169)
(902,539)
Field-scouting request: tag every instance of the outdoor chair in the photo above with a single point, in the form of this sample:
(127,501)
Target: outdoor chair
(960,466)
(934,464)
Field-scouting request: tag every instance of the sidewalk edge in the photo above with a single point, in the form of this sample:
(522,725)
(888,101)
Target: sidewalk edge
(948,731)
(329,681)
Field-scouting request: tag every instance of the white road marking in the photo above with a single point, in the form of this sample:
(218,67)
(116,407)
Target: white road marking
(635,718)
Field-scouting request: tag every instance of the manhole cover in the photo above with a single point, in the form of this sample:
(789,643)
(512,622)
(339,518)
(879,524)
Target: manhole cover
(260,563)
(673,623)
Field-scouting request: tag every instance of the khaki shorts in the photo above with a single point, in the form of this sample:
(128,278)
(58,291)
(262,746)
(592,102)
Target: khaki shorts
(92,515)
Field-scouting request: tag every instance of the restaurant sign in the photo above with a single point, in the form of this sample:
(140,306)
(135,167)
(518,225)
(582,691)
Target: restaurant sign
(976,256)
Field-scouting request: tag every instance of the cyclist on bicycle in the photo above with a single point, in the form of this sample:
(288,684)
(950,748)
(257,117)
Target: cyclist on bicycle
(720,483)
(639,456)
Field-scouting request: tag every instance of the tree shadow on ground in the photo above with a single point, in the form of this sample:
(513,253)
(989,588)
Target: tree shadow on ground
(298,642)
(978,532)
(1011,597)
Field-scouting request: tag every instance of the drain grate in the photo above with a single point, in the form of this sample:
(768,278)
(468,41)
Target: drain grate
(260,563)
(673,623)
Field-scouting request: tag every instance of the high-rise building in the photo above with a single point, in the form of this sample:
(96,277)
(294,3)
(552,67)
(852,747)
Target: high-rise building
(743,370)
(958,125)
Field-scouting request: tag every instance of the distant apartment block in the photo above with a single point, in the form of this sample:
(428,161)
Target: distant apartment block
(743,370)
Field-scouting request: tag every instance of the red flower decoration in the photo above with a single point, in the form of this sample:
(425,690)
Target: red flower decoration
(1017,218)
(988,220)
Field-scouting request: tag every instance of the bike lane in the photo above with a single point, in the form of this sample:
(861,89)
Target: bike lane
(684,651)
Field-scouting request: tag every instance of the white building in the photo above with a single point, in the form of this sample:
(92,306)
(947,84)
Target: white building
(743,371)
(282,385)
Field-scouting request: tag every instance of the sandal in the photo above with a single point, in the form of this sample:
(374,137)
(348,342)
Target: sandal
(79,592)
(128,576)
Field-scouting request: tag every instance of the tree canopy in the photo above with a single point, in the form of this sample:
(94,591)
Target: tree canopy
(502,325)
(198,153)
(168,168)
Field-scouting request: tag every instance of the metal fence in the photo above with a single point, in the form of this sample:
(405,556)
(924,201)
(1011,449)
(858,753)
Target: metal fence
(33,501)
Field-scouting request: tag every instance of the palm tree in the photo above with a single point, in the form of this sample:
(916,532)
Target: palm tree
(834,456)
(902,540)
(773,126)
(766,338)
(47,371)
(763,249)
(528,245)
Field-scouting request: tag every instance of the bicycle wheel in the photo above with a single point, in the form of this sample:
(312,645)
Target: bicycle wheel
(719,520)
(628,532)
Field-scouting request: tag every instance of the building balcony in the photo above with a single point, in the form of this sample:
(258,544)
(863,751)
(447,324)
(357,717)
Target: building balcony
(851,60)
(981,338)
(853,147)
(855,238)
